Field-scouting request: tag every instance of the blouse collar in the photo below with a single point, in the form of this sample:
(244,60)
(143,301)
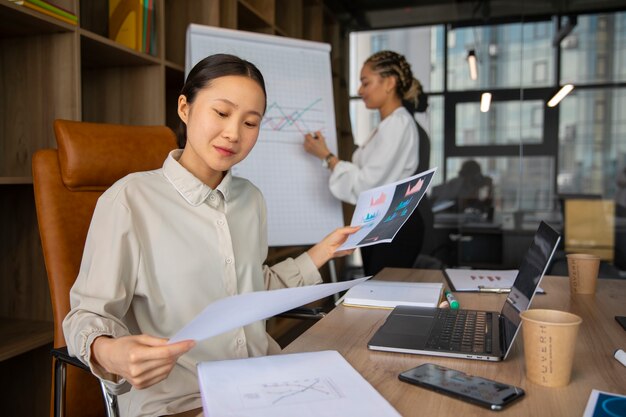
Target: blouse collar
(194,191)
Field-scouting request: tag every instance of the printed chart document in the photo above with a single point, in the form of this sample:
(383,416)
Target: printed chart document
(242,309)
(320,384)
(483,280)
(382,211)
(388,294)
(605,404)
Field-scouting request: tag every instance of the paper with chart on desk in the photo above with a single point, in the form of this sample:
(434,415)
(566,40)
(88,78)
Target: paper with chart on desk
(483,280)
(382,211)
(321,384)
(240,310)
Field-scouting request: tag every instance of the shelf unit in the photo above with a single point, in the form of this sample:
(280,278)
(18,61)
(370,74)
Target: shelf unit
(50,69)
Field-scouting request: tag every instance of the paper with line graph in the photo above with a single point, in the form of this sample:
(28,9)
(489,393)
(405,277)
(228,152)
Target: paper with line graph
(382,211)
(300,208)
(299,384)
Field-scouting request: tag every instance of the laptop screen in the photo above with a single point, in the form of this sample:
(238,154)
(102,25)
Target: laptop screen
(531,270)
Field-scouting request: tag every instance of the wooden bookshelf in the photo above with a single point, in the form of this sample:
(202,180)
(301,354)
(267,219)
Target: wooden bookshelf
(51,70)
(20,336)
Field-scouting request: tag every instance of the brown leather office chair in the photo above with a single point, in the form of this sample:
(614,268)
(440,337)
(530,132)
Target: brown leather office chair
(67,183)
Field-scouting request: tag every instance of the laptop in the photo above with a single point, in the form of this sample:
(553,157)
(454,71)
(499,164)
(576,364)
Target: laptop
(487,335)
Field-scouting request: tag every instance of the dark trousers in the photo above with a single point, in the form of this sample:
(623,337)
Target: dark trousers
(401,252)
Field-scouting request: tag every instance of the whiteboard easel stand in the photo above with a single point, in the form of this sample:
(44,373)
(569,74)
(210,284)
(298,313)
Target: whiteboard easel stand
(333,276)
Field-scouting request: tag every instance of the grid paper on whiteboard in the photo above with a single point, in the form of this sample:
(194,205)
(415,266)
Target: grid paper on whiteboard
(300,207)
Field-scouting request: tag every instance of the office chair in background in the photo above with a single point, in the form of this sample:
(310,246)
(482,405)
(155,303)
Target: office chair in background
(67,183)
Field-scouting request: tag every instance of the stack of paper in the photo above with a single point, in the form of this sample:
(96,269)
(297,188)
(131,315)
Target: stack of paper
(320,384)
(389,294)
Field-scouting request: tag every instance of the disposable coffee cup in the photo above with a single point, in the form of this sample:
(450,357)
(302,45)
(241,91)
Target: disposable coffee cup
(583,273)
(549,344)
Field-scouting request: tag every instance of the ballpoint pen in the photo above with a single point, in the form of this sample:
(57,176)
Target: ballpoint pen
(482,288)
(454,304)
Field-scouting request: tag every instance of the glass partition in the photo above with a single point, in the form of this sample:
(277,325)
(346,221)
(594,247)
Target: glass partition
(535,159)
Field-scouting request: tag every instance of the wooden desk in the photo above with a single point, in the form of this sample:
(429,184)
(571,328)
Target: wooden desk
(348,329)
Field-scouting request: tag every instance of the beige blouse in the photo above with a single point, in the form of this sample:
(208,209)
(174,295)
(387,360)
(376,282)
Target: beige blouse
(162,245)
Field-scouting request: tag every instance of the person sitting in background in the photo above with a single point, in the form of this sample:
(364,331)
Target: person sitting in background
(470,192)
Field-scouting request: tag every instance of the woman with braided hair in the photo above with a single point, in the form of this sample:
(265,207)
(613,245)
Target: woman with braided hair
(390,153)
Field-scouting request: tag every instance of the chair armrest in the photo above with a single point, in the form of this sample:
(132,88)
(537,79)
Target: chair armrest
(63,357)
(61,354)
(309,313)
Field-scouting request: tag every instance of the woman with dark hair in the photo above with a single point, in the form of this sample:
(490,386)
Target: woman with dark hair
(392,152)
(164,244)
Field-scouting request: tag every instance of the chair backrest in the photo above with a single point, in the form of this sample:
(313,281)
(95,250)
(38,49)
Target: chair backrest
(67,183)
(590,227)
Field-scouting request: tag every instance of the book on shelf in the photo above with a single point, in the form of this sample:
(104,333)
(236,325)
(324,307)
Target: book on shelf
(149,33)
(126,22)
(132,23)
(50,9)
(389,294)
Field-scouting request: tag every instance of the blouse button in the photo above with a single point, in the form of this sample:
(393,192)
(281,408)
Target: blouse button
(240,341)
(220,222)
(229,260)
(212,197)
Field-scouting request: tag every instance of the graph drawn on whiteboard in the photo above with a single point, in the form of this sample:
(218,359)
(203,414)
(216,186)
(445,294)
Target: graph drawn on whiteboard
(301,391)
(300,208)
(289,123)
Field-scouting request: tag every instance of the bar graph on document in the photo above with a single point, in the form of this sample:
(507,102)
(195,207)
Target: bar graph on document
(298,81)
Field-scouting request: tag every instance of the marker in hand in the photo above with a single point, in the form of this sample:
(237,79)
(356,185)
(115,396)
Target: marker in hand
(454,304)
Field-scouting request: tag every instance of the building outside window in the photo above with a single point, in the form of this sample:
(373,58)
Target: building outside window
(533,153)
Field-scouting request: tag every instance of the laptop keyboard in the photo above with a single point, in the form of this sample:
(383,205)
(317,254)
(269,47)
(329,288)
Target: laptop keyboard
(462,331)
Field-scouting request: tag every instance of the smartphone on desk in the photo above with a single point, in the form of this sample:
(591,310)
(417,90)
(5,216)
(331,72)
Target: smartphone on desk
(481,391)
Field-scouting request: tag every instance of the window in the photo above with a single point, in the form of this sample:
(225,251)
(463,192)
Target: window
(540,71)
(588,62)
(506,123)
(592,149)
(501,51)
(531,151)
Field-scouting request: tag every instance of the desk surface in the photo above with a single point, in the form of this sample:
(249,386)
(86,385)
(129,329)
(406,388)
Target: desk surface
(348,329)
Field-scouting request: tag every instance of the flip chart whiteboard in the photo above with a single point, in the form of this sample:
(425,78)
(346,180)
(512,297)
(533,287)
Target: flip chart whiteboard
(300,208)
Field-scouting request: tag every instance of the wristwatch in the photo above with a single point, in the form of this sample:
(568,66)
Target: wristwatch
(326,160)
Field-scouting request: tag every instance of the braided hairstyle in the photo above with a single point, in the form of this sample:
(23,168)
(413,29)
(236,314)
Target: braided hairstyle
(408,88)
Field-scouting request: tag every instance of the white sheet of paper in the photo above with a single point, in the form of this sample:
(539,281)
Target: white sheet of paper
(471,279)
(381,211)
(320,384)
(242,309)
